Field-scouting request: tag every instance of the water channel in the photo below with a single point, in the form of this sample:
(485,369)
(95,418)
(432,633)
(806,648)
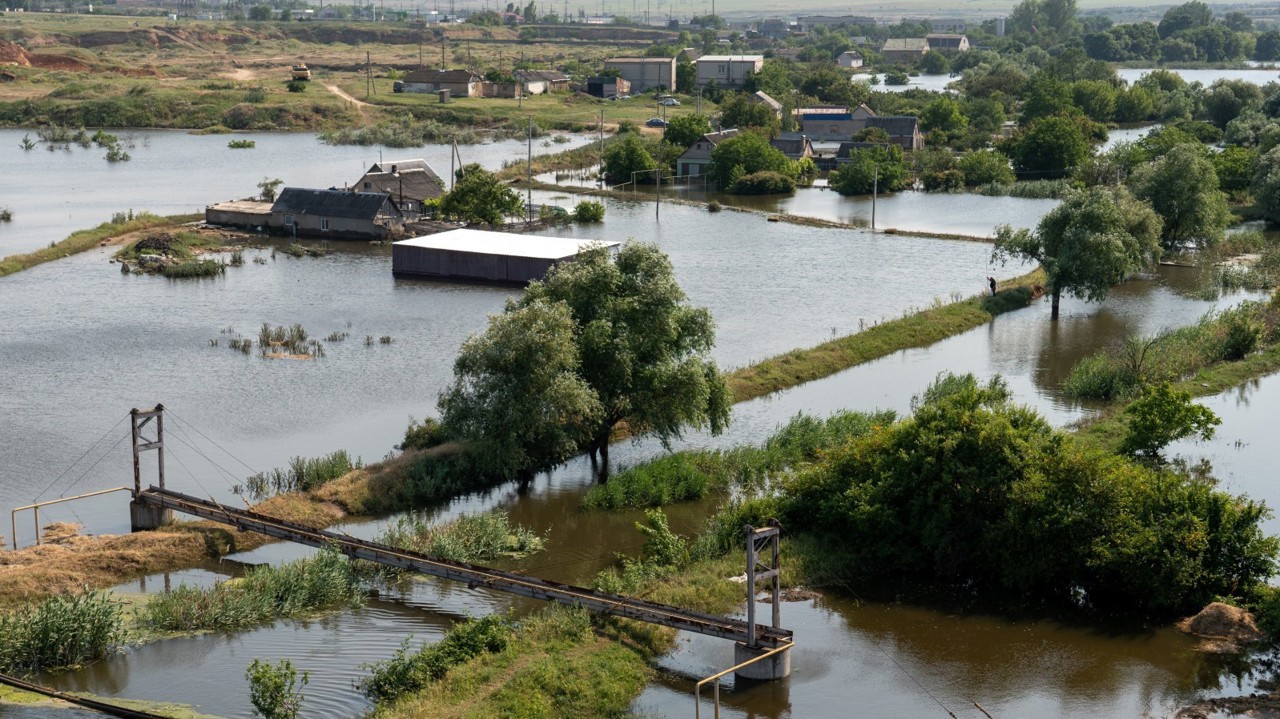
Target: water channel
(87,343)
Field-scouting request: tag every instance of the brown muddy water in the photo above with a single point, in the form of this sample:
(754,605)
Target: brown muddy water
(85,343)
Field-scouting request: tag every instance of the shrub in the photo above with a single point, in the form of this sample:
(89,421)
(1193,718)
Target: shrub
(984,167)
(1162,416)
(676,477)
(302,475)
(242,144)
(714,206)
(63,631)
(469,538)
(297,86)
(275,690)
(193,268)
(943,181)
(408,672)
(589,211)
(1242,333)
(763,183)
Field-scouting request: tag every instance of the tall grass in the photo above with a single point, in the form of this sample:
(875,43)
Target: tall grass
(193,268)
(469,538)
(302,474)
(692,474)
(325,581)
(1027,189)
(403,132)
(62,631)
(408,671)
(1122,370)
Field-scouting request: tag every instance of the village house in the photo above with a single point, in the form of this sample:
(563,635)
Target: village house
(605,86)
(774,28)
(955,43)
(335,214)
(409,183)
(760,97)
(904,51)
(794,146)
(694,161)
(953,26)
(689,54)
(538,82)
(849,59)
(459,83)
(832,123)
(727,70)
(645,73)
(903,130)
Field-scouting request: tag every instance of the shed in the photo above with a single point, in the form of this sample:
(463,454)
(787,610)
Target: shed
(246,214)
(336,214)
(485,255)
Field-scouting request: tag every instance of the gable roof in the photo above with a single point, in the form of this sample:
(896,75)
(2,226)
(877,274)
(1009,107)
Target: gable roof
(762,97)
(402,166)
(641,60)
(895,125)
(715,138)
(540,75)
(330,203)
(852,54)
(442,76)
(412,184)
(792,146)
(906,44)
(731,58)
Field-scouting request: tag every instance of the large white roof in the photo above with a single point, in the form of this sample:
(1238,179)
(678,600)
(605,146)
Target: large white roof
(730,58)
(486,242)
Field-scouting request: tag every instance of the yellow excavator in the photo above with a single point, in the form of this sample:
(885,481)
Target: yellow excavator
(301,72)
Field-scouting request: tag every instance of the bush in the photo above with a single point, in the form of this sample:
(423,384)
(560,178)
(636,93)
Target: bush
(62,631)
(943,181)
(1162,416)
(985,496)
(589,211)
(676,477)
(984,167)
(714,206)
(193,268)
(763,183)
(469,538)
(275,690)
(297,86)
(1242,333)
(406,673)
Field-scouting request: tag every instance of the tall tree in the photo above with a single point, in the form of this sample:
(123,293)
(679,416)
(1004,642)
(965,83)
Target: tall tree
(1047,148)
(479,196)
(745,154)
(517,399)
(627,160)
(1182,187)
(1092,241)
(643,351)
(684,130)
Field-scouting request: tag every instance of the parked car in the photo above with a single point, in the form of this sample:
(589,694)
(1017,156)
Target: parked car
(669,101)
(655,122)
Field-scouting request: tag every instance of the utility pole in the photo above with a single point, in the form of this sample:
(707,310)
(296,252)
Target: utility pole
(600,128)
(368,74)
(529,174)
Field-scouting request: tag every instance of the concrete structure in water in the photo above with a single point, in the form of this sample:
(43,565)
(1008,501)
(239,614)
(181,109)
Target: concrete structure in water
(486,256)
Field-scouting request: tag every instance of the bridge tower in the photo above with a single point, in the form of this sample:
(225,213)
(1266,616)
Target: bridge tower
(143,516)
(763,565)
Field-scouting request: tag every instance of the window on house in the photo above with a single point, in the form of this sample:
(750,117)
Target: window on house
(288,220)
(324,224)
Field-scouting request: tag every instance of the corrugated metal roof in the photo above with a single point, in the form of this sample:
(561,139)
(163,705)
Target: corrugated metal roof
(913,44)
(330,203)
(487,242)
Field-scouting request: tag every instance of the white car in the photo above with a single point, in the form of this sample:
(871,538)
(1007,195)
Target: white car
(669,101)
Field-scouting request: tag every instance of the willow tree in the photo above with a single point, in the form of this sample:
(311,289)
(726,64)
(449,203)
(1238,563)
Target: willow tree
(1091,242)
(643,350)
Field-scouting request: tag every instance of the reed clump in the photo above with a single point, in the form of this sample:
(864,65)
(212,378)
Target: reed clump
(242,144)
(62,631)
(469,538)
(193,268)
(410,671)
(323,582)
(302,474)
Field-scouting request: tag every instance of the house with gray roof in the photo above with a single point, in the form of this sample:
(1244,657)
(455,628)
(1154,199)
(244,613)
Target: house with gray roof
(335,214)
(905,50)
(409,183)
(459,83)
(903,130)
(694,161)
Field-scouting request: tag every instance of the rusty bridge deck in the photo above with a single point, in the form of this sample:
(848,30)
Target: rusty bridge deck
(472,575)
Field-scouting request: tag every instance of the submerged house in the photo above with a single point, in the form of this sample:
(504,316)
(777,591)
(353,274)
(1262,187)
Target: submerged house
(486,256)
(335,214)
(694,161)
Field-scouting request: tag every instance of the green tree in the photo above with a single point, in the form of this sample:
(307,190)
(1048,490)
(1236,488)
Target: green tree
(643,351)
(943,115)
(684,130)
(1266,185)
(1135,105)
(1182,187)
(1095,98)
(275,690)
(870,168)
(260,12)
(1267,47)
(518,400)
(479,196)
(745,154)
(1094,240)
(627,157)
(268,187)
(984,167)
(935,63)
(1234,166)
(1184,17)
(1050,147)
(742,112)
(1162,416)
(686,77)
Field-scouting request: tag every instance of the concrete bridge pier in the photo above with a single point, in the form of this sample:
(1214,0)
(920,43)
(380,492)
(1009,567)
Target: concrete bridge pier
(144,516)
(777,666)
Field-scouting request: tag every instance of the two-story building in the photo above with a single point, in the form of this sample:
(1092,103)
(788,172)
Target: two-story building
(645,73)
(727,70)
(904,50)
(943,41)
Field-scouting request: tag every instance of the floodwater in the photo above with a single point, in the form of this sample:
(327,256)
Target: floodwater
(935,83)
(1206,76)
(53,194)
(86,343)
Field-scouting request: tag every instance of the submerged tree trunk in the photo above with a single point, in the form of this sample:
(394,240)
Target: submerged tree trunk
(1057,297)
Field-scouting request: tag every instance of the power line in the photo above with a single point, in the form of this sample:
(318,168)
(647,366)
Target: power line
(73,464)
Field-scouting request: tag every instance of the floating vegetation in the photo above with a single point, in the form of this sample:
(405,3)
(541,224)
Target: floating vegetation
(104,139)
(325,581)
(193,268)
(115,153)
(296,250)
(62,631)
(6,215)
(259,260)
(385,339)
(242,344)
(28,143)
(237,258)
(336,336)
(289,341)
(302,474)
(368,340)
(242,144)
